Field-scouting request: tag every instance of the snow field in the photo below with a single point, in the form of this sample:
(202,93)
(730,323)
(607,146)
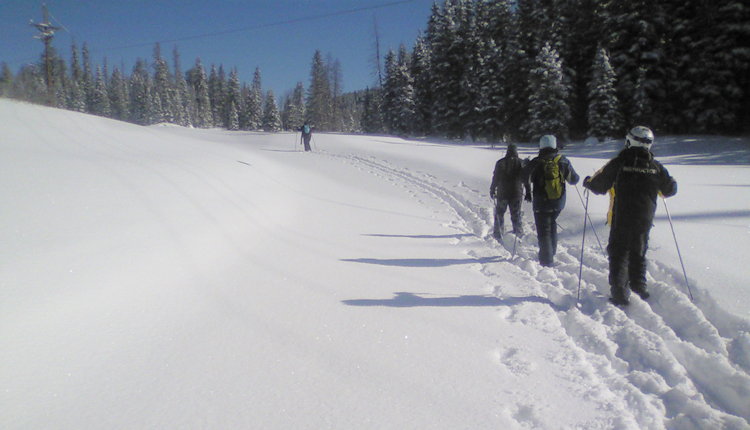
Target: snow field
(165,277)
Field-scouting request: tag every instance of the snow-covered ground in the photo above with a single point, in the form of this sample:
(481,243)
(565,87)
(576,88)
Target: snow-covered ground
(161,277)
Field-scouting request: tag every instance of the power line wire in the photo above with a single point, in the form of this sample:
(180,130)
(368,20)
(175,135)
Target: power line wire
(262,26)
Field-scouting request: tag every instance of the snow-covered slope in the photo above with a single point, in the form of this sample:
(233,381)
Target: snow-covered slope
(160,277)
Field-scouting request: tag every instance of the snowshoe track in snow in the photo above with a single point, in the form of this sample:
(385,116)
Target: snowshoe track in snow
(655,355)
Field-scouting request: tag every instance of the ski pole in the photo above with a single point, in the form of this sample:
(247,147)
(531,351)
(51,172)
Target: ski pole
(589,218)
(684,273)
(583,242)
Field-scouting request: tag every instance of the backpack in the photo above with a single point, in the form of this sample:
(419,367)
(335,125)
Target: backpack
(306,129)
(553,181)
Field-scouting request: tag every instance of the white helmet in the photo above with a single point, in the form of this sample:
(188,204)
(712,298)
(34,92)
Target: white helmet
(640,136)
(548,141)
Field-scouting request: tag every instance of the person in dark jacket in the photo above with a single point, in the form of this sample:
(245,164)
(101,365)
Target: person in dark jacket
(507,190)
(546,209)
(637,180)
(306,131)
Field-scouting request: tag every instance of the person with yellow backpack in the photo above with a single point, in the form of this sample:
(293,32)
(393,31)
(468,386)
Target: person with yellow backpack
(548,173)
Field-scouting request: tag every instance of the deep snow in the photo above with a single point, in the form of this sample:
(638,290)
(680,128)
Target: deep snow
(161,277)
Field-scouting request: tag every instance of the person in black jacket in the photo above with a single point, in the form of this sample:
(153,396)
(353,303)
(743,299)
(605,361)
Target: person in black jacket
(637,180)
(546,208)
(507,191)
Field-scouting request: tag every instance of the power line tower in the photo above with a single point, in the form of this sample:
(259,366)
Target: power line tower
(47,32)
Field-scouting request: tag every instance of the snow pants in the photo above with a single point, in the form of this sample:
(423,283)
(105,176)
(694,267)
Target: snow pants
(516,216)
(306,141)
(546,231)
(627,259)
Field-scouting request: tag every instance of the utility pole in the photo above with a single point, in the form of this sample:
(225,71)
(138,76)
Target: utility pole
(47,33)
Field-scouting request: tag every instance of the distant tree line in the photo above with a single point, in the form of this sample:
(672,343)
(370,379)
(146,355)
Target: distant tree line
(484,69)
(153,93)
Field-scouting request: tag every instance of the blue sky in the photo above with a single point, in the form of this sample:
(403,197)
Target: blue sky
(278,36)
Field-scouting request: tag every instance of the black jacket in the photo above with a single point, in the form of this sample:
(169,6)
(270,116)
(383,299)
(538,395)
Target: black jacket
(637,179)
(506,180)
(534,171)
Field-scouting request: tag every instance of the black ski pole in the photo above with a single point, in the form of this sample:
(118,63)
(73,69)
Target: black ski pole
(583,242)
(684,273)
(590,222)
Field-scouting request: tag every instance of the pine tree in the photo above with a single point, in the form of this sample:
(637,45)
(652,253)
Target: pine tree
(253,116)
(336,84)
(233,120)
(233,97)
(271,117)
(296,115)
(318,109)
(216,94)
(451,61)
(203,117)
(492,28)
(118,96)
(398,93)
(6,80)
(423,94)
(87,80)
(163,87)
(100,98)
(516,70)
(183,112)
(604,116)
(76,97)
(637,47)
(548,110)
(139,94)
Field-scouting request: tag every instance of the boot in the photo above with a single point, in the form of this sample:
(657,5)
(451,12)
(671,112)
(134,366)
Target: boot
(618,297)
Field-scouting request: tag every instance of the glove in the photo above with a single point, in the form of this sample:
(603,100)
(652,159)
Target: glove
(528,197)
(586,181)
(492,195)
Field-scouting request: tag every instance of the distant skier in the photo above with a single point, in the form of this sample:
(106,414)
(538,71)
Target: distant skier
(507,190)
(306,135)
(637,179)
(548,173)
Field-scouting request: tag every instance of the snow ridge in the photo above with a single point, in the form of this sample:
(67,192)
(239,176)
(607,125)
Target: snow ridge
(662,357)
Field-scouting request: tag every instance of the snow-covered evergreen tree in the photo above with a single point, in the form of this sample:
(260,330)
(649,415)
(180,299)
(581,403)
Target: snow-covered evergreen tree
(87,80)
(233,119)
(156,108)
(372,120)
(6,80)
(163,87)
(336,84)
(76,96)
(100,98)
(319,101)
(234,97)
(197,79)
(296,114)
(449,40)
(253,116)
(183,109)
(604,109)
(271,116)
(398,93)
(118,96)
(548,109)
(423,93)
(139,94)
(635,40)
(216,94)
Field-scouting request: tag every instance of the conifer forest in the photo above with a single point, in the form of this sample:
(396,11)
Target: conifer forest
(485,70)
